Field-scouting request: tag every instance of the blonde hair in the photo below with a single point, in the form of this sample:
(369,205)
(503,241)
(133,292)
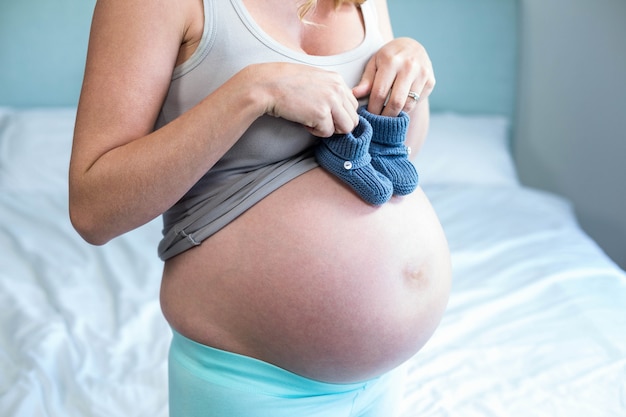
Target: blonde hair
(309,5)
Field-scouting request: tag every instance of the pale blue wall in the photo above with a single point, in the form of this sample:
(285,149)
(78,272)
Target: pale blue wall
(571,128)
(48,50)
(475,62)
(473,46)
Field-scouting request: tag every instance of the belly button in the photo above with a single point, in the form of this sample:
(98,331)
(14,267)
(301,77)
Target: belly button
(415,275)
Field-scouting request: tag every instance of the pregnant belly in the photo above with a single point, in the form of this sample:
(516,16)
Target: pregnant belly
(315,281)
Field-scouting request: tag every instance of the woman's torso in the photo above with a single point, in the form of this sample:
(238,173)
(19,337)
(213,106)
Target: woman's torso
(311,278)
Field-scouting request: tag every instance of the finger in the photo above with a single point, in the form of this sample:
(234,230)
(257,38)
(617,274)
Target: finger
(321,130)
(399,97)
(381,90)
(345,118)
(352,101)
(364,87)
(323,127)
(428,87)
(408,90)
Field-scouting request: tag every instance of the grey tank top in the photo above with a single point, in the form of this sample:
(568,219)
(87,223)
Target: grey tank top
(272,151)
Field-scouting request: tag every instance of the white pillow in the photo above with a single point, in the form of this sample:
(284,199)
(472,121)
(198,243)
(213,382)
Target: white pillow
(466,149)
(35,147)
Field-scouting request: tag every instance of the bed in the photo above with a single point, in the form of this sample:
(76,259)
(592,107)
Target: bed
(536,323)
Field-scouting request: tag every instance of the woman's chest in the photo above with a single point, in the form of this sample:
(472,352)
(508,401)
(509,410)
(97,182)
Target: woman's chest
(324,31)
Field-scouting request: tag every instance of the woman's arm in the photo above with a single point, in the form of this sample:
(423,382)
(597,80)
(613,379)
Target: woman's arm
(402,65)
(122,173)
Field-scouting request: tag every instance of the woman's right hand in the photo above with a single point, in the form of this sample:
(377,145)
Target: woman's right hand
(318,99)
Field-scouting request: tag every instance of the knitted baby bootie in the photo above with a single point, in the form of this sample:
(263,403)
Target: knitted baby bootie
(346,156)
(389,154)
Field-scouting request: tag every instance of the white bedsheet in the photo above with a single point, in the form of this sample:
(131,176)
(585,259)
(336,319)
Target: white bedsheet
(82,331)
(536,322)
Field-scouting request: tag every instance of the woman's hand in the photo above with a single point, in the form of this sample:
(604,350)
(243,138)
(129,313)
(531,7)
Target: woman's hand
(398,68)
(318,99)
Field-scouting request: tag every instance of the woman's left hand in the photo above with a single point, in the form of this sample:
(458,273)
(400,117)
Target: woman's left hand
(400,69)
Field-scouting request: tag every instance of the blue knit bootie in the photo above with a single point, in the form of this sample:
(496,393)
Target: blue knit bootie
(389,154)
(346,156)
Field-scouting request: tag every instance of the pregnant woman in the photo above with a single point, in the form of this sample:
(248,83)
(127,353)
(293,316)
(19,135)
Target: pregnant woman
(288,294)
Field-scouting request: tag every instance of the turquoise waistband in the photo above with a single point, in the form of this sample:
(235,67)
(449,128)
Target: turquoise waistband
(244,373)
